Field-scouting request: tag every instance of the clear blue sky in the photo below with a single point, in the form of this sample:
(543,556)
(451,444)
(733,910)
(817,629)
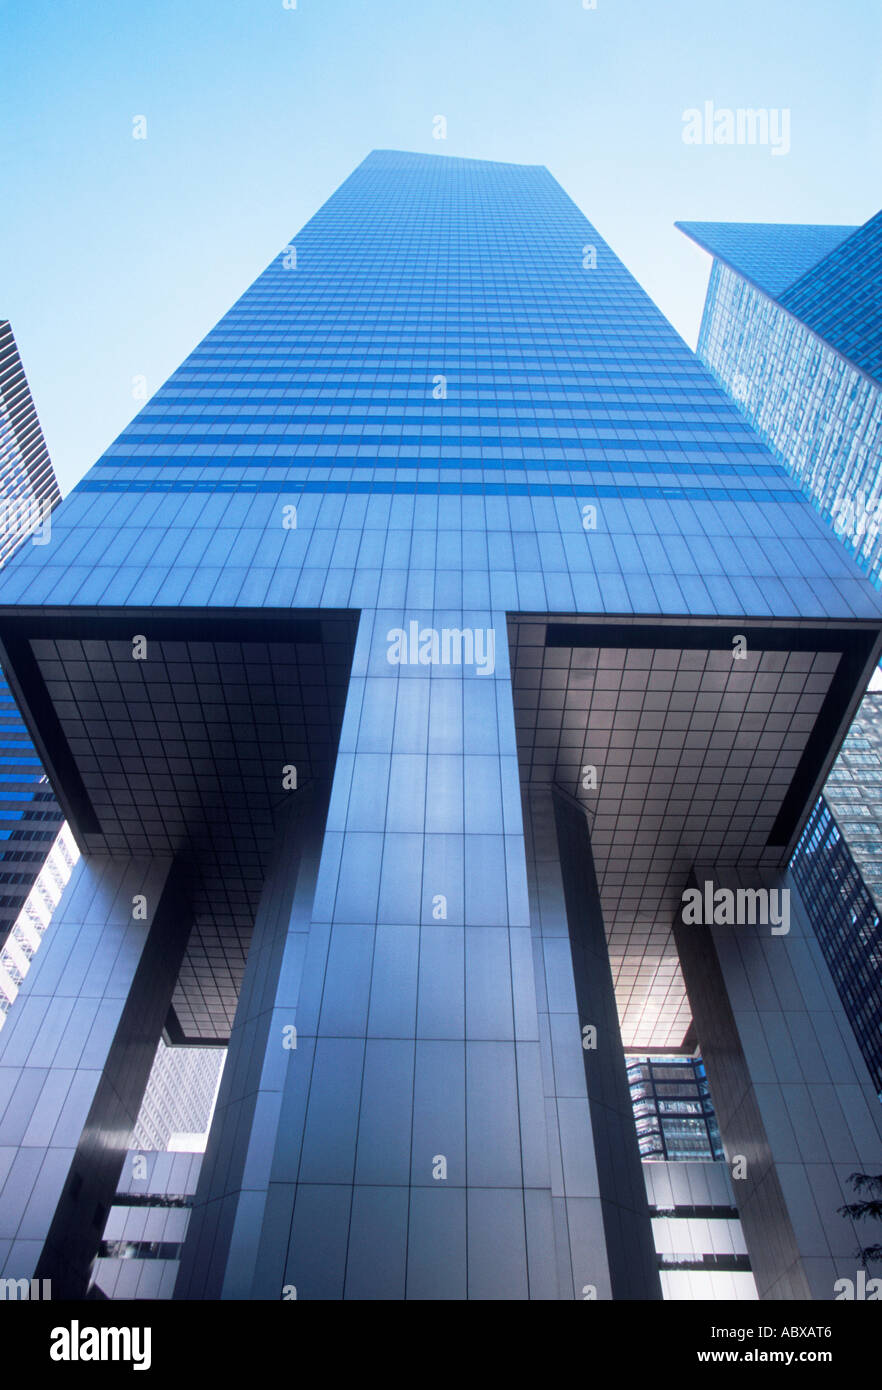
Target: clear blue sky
(118,255)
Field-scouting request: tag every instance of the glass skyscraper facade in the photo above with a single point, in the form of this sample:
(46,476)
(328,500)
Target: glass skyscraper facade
(792,328)
(854,793)
(140,1250)
(430,631)
(699,1243)
(29,814)
(30,818)
(180,1095)
(846,919)
(673,1110)
(28,487)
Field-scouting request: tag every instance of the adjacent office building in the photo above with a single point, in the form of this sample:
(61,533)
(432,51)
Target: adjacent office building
(28,487)
(854,792)
(699,1243)
(35,914)
(431,632)
(846,921)
(673,1109)
(139,1253)
(179,1100)
(30,818)
(792,328)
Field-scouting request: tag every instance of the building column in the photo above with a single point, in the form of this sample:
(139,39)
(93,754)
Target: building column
(241,1214)
(603,1230)
(381,1128)
(75,1056)
(795,1104)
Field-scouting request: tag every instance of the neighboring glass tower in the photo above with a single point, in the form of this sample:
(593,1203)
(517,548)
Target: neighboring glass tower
(673,1109)
(30,817)
(699,1241)
(846,921)
(28,487)
(838,864)
(180,1094)
(21,945)
(792,328)
(140,1250)
(433,628)
(854,794)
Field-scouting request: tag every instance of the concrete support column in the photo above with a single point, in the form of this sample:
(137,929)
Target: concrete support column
(399,1151)
(241,1217)
(75,1056)
(603,1231)
(401,1148)
(795,1104)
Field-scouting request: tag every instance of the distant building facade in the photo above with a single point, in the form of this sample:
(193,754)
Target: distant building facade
(673,1109)
(792,328)
(30,817)
(180,1094)
(845,916)
(699,1242)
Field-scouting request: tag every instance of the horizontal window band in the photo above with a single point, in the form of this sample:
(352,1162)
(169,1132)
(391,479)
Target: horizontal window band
(731,470)
(439,489)
(139,1250)
(391,436)
(708,1264)
(151,1199)
(697,1212)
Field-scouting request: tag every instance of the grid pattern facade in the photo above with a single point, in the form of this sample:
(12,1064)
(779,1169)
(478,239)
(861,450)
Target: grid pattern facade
(805,369)
(771,254)
(564,386)
(840,298)
(140,1250)
(24,940)
(821,415)
(28,489)
(179,1098)
(29,815)
(683,739)
(846,919)
(854,793)
(673,1109)
(206,727)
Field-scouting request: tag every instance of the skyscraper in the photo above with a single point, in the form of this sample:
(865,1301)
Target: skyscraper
(854,793)
(792,328)
(28,487)
(29,815)
(673,1109)
(425,638)
(699,1242)
(847,924)
(180,1095)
